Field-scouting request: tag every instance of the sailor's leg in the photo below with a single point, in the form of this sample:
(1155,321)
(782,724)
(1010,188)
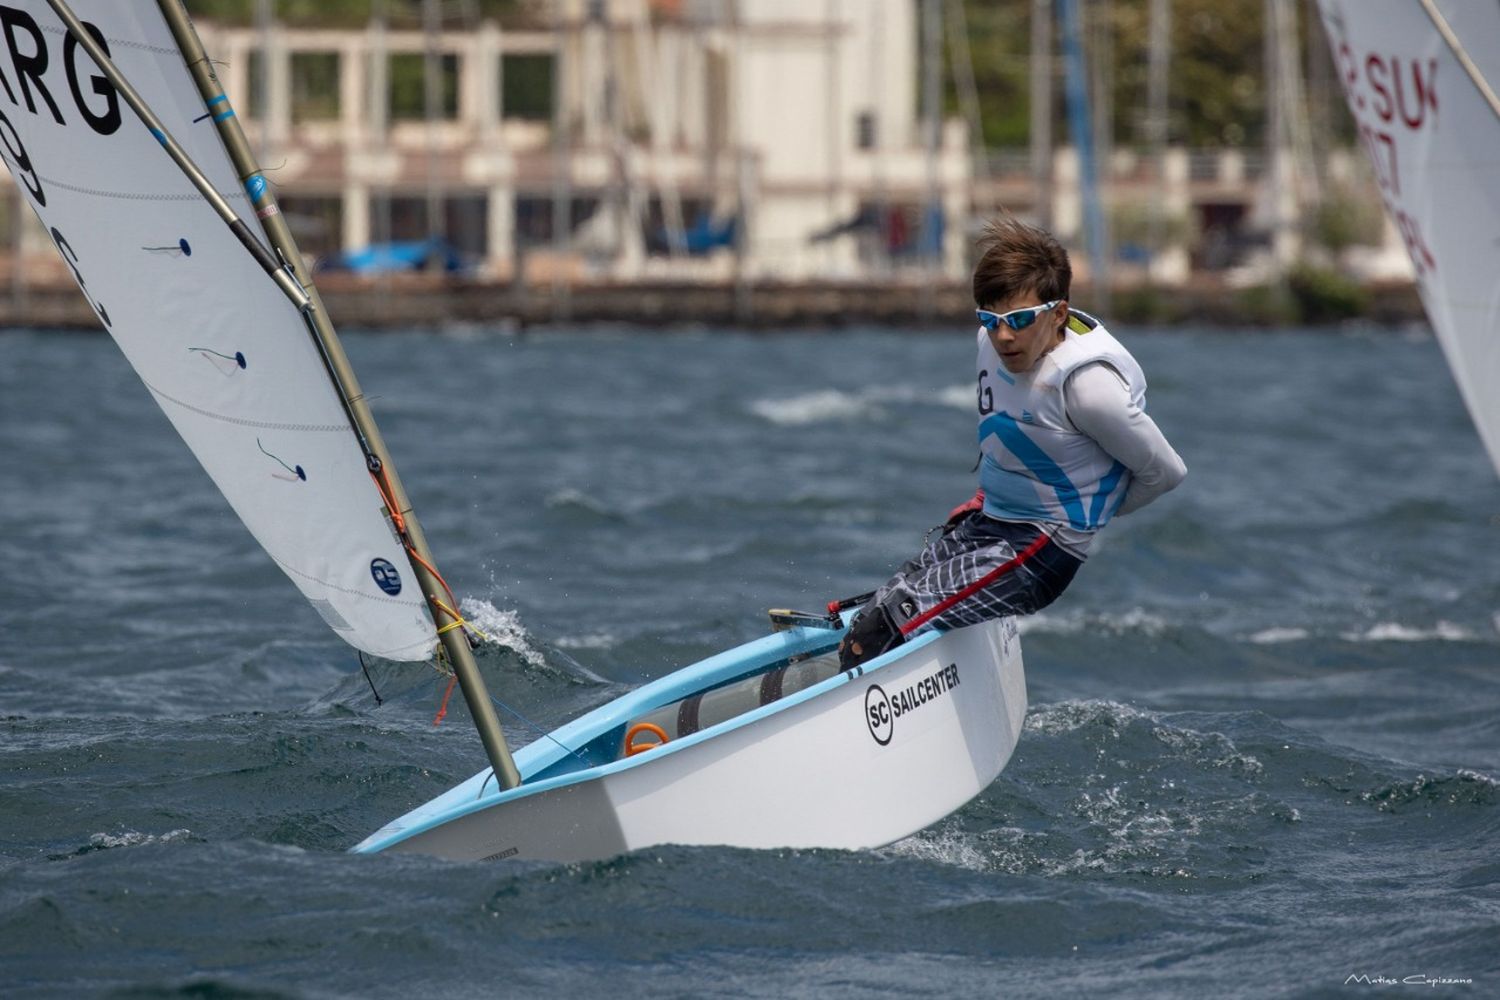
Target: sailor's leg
(878,626)
(984,569)
(1008,568)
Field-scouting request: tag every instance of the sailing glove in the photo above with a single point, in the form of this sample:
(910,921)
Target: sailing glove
(958,515)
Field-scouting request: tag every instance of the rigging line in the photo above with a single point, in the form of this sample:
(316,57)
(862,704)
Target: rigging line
(363,666)
(1460,53)
(538,728)
(458,620)
(443,705)
(382,484)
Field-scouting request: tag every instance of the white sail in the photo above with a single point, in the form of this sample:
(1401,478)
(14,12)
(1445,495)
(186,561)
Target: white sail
(227,357)
(1434,141)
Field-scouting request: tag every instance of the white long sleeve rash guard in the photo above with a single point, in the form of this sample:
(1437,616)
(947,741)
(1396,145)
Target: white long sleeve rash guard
(1097,402)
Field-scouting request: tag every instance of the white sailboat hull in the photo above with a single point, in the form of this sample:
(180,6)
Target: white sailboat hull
(863,759)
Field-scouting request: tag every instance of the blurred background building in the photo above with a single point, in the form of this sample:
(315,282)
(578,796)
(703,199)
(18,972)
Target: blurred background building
(553,145)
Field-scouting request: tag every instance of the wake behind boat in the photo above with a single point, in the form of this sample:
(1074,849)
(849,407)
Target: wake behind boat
(195,274)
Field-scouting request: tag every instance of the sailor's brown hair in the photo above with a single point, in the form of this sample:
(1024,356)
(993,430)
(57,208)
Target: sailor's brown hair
(1015,257)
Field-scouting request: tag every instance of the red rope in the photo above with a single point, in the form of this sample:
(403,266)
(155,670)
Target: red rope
(443,706)
(976,586)
(383,485)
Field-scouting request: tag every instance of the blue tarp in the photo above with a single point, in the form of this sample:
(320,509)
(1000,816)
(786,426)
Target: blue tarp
(409,255)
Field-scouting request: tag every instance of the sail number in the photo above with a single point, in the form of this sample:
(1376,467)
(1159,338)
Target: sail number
(21,165)
(1388,93)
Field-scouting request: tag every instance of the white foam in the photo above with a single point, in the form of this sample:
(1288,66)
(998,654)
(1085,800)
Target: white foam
(1270,636)
(835,405)
(824,406)
(1479,776)
(570,497)
(589,640)
(1066,716)
(502,628)
(134,838)
(1134,620)
(1445,631)
(945,847)
(959,397)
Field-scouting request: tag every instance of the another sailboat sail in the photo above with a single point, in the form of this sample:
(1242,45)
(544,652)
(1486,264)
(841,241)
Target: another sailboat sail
(1434,139)
(227,357)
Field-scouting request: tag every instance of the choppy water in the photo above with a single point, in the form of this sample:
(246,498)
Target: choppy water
(1261,756)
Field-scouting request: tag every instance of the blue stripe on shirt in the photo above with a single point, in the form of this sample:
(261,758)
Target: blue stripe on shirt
(1005,427)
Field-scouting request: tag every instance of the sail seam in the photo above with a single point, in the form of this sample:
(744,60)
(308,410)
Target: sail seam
(343,590)
(135,196)
(241,421)
(160,50)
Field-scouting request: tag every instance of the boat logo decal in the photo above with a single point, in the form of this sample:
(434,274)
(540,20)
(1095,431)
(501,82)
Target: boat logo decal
(882,710)
(878,714)
(387,578)
(227,364)
(293,473)
(255,187)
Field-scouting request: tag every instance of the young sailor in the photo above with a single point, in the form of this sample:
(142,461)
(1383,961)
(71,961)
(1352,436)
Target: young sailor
(1064,441)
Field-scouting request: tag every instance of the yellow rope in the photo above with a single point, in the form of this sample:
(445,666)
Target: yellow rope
(458,620)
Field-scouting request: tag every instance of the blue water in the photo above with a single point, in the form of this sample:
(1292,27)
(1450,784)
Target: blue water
(1261,757)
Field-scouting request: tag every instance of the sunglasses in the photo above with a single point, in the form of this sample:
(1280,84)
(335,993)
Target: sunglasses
(1016,319)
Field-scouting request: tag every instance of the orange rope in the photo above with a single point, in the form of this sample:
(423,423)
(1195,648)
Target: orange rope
(383,486)
(443,706)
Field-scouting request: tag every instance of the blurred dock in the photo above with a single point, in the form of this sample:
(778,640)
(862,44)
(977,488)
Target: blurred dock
(427,302)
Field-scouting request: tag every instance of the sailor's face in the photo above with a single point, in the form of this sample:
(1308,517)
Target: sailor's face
(1021,349)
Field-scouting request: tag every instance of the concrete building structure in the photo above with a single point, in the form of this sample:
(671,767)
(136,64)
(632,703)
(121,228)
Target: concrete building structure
(792,118)
(688,140)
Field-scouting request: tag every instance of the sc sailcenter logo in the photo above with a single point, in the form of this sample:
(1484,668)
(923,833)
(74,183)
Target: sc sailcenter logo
(882,710)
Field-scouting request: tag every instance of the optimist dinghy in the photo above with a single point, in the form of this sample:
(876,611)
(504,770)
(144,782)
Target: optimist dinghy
(857,758)
(195,274)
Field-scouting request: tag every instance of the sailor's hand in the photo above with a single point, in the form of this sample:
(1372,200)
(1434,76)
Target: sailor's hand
(964,511)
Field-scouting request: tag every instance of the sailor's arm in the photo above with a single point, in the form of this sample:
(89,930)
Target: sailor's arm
(1098,403)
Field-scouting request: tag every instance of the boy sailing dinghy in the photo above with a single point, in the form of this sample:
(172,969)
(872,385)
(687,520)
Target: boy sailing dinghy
(194,273)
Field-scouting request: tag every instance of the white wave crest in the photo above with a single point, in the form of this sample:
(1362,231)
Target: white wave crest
(589,640)
(503,628)
(960,397)
(570,497)
(834,405)
(1270,636)
(1134,620)
(1067,716)
(824,406)
(1445,631)
(134,838)
(945,847)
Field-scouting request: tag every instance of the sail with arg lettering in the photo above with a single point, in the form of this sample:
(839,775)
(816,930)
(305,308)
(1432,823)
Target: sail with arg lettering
(226,356)
(1433,137)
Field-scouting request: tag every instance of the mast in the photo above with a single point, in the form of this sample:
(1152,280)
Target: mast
(1080,115)
(291,275)
(1041,111)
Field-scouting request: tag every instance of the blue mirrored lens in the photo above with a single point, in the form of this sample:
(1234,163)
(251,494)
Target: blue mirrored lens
(1020,319)
(987,319)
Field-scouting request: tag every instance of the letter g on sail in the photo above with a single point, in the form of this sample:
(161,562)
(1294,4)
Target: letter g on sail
(878,715)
